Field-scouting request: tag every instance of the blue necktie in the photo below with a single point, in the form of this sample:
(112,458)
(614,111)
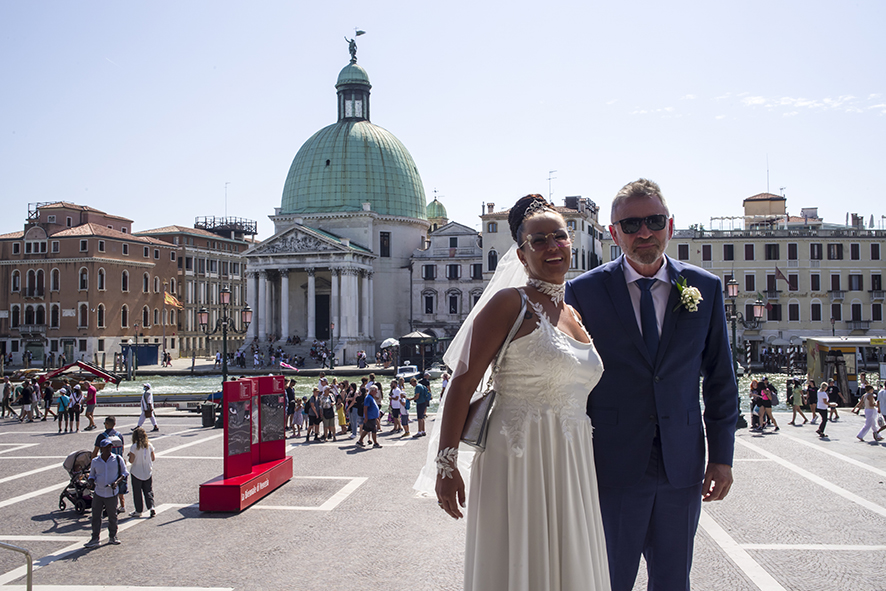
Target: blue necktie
(648,320)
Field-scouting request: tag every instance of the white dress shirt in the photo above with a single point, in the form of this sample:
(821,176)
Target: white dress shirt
(660,291)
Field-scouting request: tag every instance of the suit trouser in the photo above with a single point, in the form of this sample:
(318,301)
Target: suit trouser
(655,519)
(109,504)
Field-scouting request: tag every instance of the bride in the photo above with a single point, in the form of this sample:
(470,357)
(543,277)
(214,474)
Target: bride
(533,517)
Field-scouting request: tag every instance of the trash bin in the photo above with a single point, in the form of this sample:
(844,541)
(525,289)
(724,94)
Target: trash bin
(208,410)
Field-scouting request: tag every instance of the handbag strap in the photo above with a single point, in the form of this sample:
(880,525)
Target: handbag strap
(504,347)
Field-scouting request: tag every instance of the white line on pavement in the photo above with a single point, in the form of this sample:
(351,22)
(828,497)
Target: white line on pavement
(751,460)
(878,509)
(44,538)
(821,547)
(17,446)
(35,493)
(756,573)
(30,472)
(821,447)
(330,504)
(189,444)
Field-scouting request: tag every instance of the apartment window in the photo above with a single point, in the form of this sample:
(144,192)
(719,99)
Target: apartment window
(180,262)
(101,345)
(792,251)
(429,272)
(492,227)
(875,251)
(453,271)
(124,317)
(55,280)
(491,260)
(201,266)
(429,304)
(101,279)
(771,283)
(100,316)
(453,303)
(683,252)
(793,282)
(794,312)
(84,279)
(50,219)
(856,282)
(877,312)
(125,249)
(815,312)
(157,254)
(384,244)
(835,283)
(213,266)
(855,252)
(774,313)
(146,317)
(156,316)
(147,252)
(156,286)
(81,345)
(54,246)
(815,251)
(815,282)
(146,283)
(876,281)
(84,245)
(16,281)
(83,316)
(728,252)
(750,285)
(835,252)
(771,252)
(15,319)
(16,248)
(614,252)
(53,316)
(476,271)
(189,263)
(124,281)
(706,252)
(101,246)
(837,312)
(172,255)
(748,252)
(69,221)
(453,242)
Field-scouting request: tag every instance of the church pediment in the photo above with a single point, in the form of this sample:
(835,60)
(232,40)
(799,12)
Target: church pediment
(299,240)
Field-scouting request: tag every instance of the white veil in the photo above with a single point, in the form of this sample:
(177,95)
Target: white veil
(509,273)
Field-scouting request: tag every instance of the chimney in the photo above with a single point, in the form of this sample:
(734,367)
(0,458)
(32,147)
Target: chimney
(490,207)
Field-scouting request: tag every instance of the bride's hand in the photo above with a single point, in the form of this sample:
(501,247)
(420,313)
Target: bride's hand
(451,494)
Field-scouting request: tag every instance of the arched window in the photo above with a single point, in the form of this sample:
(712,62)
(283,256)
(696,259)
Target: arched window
(124,282)
(53,316)
(40,315)
(146,317)
(172,286)
(156,285)
(84,279)
(32,284)
(156,316)
(146,283)
(172,317)
(492,260)
(29,314)
(100,316)
(41,282)
(101,279)
(16,281)
(83,317)
(55,280)
(15,321)
(124,317)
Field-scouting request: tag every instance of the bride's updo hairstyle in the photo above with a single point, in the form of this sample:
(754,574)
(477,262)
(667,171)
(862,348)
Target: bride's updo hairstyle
(525,208)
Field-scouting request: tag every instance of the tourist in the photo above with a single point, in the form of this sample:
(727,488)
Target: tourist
(147,408)
(141,460)
(395,397)
(795,399)
(821,405)
(870,413)
(106,473)
(74,411)
(370,417)
(91,396)
(64,402)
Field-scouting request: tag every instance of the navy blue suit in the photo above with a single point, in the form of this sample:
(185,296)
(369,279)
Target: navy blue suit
(648,423)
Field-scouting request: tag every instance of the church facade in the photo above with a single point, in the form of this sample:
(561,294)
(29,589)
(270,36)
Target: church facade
(352,214)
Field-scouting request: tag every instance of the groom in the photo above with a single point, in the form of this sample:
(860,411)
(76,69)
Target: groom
(649,431)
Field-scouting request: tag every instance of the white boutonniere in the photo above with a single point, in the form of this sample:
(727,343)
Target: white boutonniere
(689,296)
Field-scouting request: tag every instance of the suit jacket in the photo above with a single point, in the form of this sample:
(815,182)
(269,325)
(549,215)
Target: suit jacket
(637,392)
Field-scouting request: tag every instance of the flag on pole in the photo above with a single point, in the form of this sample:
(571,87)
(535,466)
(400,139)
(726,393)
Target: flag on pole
(780,275)
(171,300)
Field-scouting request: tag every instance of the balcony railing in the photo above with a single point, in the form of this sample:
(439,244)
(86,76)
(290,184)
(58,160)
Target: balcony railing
(878,295)
(858,324)
(32,328)
(772,294)
(836,294)
(33,292)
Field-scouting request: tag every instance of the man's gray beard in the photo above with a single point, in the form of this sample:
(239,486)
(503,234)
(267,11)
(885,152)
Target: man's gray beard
(645,258)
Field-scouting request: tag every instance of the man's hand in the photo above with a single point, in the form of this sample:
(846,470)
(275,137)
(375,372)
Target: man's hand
(717,482)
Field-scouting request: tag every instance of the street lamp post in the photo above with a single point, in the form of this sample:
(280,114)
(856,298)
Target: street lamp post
(332,345)
(222,323)
(735,316)
(135,355)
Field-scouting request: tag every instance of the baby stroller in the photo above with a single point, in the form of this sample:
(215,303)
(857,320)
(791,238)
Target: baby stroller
(77,491)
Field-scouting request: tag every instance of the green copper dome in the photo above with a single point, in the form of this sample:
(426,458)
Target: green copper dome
(436,210)
(353,162)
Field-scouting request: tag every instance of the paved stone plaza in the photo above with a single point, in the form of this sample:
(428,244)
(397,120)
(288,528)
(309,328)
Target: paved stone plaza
(804,514)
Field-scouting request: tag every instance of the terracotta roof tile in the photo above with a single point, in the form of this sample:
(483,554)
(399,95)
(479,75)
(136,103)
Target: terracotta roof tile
(766,197)
(182,230)
(13,236)
(91,229)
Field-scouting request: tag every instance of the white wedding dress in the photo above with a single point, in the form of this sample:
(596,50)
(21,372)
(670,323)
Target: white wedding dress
(533,515)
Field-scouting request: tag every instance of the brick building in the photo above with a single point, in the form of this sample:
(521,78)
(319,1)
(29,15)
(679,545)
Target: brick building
(75,281)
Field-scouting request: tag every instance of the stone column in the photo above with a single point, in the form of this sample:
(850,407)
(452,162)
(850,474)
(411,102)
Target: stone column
(269,305)
(252,293)
(354,307)
(370,330)
(312,306)
(333,302)
(364,303)
(284,303)
(262,305)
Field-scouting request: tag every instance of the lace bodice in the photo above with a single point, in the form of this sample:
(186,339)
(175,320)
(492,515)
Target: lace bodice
(545,371)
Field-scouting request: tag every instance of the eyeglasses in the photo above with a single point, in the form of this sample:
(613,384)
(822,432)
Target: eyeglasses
(562,238)
(653,222)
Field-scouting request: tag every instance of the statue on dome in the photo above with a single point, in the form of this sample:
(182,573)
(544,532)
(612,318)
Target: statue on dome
(352,47)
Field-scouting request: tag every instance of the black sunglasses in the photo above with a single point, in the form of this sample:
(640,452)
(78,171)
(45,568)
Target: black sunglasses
(653,222)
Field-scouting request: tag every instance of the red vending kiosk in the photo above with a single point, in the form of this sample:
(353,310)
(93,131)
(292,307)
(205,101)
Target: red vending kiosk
(255,461)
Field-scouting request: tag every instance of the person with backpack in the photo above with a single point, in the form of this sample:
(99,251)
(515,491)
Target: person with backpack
(106,473)
(64,402)
(7,398)
(422,399)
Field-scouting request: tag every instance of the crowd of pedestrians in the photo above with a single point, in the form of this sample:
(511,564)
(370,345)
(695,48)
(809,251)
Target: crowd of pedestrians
(38,402)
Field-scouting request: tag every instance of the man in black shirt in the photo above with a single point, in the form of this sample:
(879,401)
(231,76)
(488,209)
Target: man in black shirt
(27,399)
(833,399)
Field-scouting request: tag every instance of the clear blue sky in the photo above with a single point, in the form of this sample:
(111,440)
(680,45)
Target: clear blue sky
(147,109)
